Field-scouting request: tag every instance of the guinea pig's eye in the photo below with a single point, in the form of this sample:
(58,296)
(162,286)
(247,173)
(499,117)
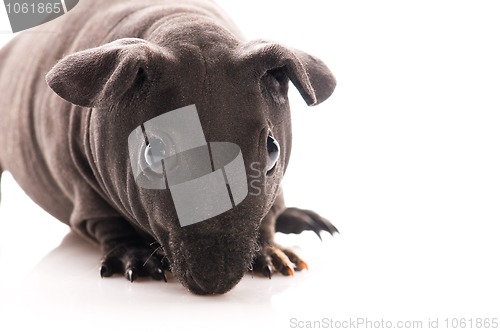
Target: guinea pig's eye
(273,153)
(154,153)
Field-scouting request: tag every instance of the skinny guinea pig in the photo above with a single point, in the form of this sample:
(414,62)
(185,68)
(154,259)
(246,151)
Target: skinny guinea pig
(75,88)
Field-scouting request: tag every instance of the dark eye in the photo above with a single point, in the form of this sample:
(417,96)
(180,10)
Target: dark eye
(154,153)
(273,153)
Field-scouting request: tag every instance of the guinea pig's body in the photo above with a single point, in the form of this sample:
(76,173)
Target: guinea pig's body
(74,89)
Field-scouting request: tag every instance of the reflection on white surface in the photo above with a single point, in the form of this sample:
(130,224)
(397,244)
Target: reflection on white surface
(52,275)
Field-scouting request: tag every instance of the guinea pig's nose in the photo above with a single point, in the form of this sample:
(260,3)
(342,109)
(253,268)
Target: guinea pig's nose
(273,153)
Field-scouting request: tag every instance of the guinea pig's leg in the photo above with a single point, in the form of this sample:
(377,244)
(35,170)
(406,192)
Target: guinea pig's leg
(295,220)
(273,257)
(125,251)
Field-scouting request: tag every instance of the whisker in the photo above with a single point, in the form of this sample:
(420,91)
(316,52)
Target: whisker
(152,254)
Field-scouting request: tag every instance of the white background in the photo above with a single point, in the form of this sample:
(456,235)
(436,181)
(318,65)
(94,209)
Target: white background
(404,159)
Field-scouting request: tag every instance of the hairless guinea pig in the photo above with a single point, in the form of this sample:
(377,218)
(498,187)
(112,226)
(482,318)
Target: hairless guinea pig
(97,108)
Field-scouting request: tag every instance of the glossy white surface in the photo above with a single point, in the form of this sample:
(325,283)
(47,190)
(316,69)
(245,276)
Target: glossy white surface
(53,278)
(404,159)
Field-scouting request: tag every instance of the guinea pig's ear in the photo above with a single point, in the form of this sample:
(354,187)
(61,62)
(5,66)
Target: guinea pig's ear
(99,77)
(309,74)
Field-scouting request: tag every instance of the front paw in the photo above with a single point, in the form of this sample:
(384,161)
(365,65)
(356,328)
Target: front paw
(273,258)
(133,260)
(294,220)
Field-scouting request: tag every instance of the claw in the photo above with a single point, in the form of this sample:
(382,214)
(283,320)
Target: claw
(158,274)
(287,270)
(130,275)
(267,271)
(301,266)
(165,264)
(105,271)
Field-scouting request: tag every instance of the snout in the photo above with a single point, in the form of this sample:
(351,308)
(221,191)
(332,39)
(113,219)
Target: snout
(214,264)
(201,283)
(219,261)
